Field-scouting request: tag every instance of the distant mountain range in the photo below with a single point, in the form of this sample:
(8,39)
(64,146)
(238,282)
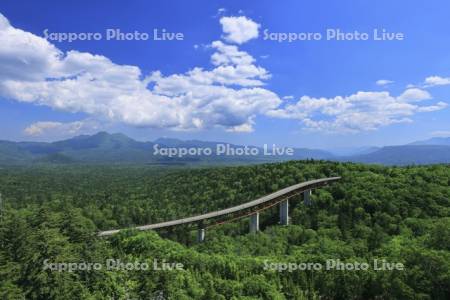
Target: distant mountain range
(443,141)
(405,155)
(118,148)
(105,148)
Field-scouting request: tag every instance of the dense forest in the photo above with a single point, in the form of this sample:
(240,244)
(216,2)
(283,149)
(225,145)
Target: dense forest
(51,214)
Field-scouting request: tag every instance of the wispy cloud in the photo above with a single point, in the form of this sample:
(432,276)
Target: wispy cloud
(51,129)
(441,133)
(383,82)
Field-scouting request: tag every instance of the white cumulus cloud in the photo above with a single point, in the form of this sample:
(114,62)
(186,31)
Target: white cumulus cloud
(228,95)
(239,29)
(362,111)
(414,94)
(437,80)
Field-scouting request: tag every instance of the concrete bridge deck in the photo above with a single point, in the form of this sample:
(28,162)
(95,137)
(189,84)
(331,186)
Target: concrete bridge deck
(257,205)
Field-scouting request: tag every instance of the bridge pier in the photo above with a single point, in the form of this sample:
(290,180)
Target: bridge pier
(307,197)
(284,212)
(201,234)
(254,223)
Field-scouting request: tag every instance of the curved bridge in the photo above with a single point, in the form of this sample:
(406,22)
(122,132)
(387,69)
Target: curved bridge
(251,209)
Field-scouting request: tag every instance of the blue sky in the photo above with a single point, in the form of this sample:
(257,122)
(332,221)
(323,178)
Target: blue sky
(224,81)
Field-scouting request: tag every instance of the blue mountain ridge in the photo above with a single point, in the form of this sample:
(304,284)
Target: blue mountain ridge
(106,148)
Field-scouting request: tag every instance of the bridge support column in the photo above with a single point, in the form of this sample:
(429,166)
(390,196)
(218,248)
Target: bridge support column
(307,197)
(254,223)
(201,234)
(284,212)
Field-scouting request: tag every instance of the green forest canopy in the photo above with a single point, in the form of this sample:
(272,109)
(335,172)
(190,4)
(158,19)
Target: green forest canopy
(392,213)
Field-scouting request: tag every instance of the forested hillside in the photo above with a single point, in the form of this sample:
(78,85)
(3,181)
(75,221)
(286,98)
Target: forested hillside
(52,214)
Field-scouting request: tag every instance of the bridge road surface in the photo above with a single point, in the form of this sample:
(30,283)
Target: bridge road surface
(271,198)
